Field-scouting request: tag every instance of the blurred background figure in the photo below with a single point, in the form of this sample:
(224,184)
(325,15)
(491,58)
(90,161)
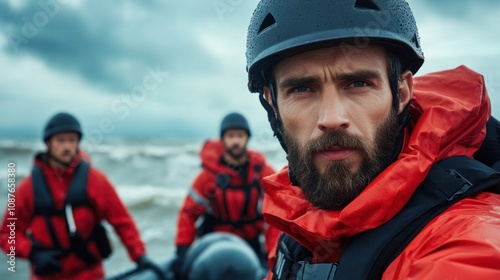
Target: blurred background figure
(227,193)
(59,208)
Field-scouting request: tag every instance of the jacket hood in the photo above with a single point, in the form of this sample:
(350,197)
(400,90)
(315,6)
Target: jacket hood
(41,161)
(212,151)
(449,114)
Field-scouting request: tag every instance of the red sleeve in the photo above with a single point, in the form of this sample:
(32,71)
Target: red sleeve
(268,170)
(461,243)
(195,204)
(17,219)
(111,208)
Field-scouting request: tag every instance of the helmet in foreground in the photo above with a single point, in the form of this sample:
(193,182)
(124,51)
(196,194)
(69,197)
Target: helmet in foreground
(280,29)
(221,256)
(284,28)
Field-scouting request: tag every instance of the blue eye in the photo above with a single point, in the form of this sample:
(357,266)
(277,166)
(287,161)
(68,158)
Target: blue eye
(300,89)
(359,84)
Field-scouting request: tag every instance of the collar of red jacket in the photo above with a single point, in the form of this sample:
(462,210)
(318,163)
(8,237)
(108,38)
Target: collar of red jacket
(40,161)
(449,111)
(212,151)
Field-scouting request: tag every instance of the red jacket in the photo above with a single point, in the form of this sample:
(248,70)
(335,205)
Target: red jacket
(106,206)
(205,195)
(450,111)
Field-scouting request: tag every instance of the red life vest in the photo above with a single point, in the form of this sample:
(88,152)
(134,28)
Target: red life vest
(234,201)
(76,198)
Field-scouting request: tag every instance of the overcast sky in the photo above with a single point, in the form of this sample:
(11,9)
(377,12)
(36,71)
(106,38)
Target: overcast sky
(175,68)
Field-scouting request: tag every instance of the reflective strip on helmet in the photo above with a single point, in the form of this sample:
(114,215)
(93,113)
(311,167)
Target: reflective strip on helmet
(198,198)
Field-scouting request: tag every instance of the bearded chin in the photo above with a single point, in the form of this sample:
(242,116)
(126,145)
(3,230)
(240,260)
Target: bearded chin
(338,185)
(237,153)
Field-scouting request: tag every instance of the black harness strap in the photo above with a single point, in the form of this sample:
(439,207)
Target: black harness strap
(248,190)
(449,181)
(223,182)
(75,197)
(371,252)
(77,192)
(43,203)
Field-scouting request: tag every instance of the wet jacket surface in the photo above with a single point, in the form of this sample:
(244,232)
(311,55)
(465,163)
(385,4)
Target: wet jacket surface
(207,195)
(105,205)
(449,114)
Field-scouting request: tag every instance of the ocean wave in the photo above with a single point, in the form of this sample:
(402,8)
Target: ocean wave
(21,145)
(127,151)
(147,196)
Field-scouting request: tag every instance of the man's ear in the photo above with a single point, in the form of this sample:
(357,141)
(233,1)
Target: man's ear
(269,99)
(405,88)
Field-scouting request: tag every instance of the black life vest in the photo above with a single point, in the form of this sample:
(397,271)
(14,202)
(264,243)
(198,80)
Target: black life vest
(371,252)
(75,197)
(213,217)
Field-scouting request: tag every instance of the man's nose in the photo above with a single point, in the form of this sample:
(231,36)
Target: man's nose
(332,113)
(67,144)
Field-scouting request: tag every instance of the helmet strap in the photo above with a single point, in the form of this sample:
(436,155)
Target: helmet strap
(276,124)
(273,115)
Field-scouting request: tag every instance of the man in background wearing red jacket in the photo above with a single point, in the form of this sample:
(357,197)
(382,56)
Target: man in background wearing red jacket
(227,192)
(59,208)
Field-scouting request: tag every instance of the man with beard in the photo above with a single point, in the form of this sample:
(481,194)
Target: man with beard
(363,138)
(58,210)
(227,192)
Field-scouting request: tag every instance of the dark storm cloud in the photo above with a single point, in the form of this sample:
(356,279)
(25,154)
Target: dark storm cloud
(96,39)
(88,57)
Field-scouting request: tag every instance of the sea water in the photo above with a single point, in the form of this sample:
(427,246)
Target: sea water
(151,176)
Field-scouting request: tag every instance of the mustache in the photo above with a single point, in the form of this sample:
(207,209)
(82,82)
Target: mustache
(236,146)
(331,139)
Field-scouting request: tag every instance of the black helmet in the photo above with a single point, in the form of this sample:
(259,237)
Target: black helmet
(286,27)
(62,122)
(221,256)
(234,121)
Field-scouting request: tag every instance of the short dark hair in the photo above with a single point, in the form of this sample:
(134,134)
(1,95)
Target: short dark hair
(394,71)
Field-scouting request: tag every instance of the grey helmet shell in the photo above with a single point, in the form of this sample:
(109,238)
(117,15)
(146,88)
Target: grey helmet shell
(283,28)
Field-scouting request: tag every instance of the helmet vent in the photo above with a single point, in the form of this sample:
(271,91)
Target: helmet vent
(414,39)
(267,22)
(366,4)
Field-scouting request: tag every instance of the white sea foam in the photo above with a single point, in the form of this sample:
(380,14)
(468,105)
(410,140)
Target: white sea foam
(151,176)
(146,196)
